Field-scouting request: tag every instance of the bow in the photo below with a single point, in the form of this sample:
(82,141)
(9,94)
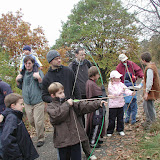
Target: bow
(103,95)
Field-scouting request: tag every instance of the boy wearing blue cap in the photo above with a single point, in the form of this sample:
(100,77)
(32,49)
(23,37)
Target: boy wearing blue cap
(27,52)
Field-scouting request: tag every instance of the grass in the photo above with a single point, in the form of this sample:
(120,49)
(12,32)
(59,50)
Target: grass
(150,148)
(149,145)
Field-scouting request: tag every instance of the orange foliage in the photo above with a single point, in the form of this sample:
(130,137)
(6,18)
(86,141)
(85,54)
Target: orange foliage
(63,52)
(15,33)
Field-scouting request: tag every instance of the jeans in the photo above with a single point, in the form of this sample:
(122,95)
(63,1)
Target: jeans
(131,111)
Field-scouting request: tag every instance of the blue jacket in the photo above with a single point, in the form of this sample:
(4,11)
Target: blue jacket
(128,98)
(15,139)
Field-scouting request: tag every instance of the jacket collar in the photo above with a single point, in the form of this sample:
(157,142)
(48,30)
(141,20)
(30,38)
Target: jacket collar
(55,70)
(19,114)
(61,100)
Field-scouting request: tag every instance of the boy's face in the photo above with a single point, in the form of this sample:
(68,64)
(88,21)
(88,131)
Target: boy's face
(81,55)
(26,52)
(60,93)
(96,77)
(18,106)
(143,62)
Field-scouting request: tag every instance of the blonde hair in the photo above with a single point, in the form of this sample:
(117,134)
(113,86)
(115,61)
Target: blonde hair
(12,98)
(92,71)
(54,87)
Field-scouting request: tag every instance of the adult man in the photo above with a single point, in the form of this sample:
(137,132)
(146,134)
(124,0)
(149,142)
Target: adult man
(151,90)
(5,89)
(126,67)
(59,73)
(80,67)
(64,75)
(31,91)
(133,68)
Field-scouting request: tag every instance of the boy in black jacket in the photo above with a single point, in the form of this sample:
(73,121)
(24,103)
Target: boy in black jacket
(16,141)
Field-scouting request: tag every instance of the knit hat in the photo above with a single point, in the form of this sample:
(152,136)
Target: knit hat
(115,74)
(27,47)
(122,57)
(51,55)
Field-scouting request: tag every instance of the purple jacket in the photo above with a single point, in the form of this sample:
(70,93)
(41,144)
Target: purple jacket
(132,67)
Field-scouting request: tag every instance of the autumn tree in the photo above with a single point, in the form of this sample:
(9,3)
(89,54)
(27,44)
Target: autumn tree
(148,12)
(103,27)
(15,33)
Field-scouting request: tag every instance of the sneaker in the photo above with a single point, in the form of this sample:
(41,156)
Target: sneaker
(121,133)
(40,143)
(100,141)
(97,146)
(133,122)
(126,121)
(93,157)
(109,135)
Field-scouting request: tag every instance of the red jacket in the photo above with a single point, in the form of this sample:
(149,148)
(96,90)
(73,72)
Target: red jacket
(132,67)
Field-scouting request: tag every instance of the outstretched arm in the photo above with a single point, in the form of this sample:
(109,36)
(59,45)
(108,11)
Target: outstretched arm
(84,107)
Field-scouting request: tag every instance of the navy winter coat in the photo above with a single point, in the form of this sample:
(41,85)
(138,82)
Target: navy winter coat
(16,141)
(5,89)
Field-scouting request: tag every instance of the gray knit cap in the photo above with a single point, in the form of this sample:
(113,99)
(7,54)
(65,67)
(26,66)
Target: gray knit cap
(51,55)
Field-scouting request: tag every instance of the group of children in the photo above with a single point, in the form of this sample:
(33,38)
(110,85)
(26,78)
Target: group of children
(65,116)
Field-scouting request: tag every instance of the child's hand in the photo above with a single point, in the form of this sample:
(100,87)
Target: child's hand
(36,75)
(19,77)
(40,67)
(20,70)
(70,101)
(103,102)
(111,96)
(134,93)
(145,96)
(1,118)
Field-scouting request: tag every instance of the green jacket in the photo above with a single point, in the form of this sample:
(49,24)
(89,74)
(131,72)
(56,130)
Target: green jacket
(31,88)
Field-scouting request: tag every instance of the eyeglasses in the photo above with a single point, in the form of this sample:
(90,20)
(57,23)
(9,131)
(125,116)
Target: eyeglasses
(28,63)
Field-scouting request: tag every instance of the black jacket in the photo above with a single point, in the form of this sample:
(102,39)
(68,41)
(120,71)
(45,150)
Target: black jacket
(63,75)
(15,139)
(82,76)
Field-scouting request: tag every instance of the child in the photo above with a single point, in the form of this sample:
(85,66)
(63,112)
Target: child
(94,119)
(116,89)
(27,52)
(16,141)
(132,109)
(65,116)
(151,89)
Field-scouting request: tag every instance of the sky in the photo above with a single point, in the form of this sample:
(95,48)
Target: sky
(47,13)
